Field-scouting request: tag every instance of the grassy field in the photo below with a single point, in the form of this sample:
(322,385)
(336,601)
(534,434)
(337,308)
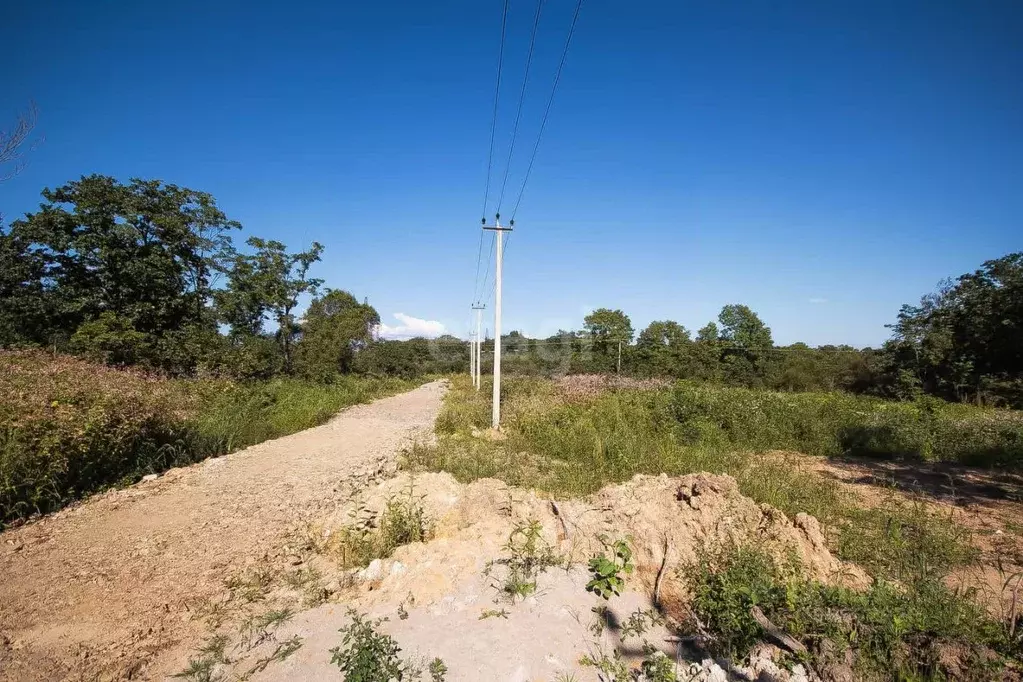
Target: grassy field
(70,428)
(571,444)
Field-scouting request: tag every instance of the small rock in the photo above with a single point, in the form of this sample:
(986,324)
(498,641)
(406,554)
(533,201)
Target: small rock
(150,477)
(712,672)
(374,571)
(397,568)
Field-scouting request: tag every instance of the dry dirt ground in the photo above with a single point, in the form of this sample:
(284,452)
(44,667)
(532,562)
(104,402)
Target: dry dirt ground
(129,584)
(105,590)
(444,598)
(988,504)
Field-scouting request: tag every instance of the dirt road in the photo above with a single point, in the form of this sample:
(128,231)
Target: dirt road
(105,590)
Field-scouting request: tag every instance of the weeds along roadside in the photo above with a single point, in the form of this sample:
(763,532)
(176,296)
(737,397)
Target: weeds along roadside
(571,445)
(69,428)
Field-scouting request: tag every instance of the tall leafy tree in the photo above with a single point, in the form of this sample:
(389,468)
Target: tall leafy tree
(663,349)
(609,330)
(747,340)
(964,341)
(267,283)
(706,353)
(334,329)
(134,259)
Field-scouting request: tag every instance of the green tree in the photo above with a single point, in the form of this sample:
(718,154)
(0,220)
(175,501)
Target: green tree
(610,330)
(136,259)
(706,354)
(334,329)
(663,349)
(26,304)
(746,342)
(964,341)
(267,283)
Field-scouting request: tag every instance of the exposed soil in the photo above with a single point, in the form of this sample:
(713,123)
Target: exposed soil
(441,600)
(989,503)
(122,586)
(584,386)
(105,590)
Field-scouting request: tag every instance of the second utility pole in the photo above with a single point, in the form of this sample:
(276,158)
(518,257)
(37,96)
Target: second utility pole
(496,420)
(476,373)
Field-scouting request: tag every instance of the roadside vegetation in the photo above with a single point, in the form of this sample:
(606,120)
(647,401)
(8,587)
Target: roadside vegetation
(910,621)
(915,629)
(577,443)
(69,428)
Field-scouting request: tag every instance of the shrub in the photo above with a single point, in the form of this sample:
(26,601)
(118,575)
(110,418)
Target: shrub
(834,424)
(366,655)
(894,631)
(402,522)
(69,428)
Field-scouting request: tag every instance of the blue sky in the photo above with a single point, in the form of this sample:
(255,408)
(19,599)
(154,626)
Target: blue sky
(821,162)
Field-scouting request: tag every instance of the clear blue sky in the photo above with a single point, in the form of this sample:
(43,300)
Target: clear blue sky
(822,162)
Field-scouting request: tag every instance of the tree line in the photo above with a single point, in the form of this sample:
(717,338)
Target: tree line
(148,274)
(962,343)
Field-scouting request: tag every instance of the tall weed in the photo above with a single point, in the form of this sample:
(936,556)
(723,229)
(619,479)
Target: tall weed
(69,428)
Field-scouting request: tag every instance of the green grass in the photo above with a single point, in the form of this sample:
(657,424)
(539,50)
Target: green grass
(577,446)
(235,416)
(69,428)
(574,446)
(402,522)
(920,630)
(366,654)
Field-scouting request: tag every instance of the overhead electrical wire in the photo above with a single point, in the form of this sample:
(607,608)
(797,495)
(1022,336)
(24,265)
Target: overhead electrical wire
(476,280)
(547,111)
(497,98)
(477,292)
(493,288)
(522,97)
(486,275)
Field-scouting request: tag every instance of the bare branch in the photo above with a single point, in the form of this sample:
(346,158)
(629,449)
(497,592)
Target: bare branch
(14,142)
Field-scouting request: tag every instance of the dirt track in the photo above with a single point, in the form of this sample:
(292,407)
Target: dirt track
(104,590)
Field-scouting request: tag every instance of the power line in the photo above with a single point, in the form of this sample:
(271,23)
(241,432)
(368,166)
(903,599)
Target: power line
(497,97)
(547,111)
(528,341)
(486,275)
(522,97)
(507,240)
(476,280)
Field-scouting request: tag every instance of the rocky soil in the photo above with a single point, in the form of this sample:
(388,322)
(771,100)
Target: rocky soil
(443,598)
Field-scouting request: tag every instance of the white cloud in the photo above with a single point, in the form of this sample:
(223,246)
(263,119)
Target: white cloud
(410,327)
(818,299)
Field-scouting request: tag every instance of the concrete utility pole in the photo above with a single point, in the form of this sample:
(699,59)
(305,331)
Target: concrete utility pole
(472,357)
(476,377)
(496,420)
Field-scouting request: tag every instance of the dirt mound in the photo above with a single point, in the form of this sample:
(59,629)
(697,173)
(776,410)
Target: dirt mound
(668,521)
(589,385)
(442,600)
